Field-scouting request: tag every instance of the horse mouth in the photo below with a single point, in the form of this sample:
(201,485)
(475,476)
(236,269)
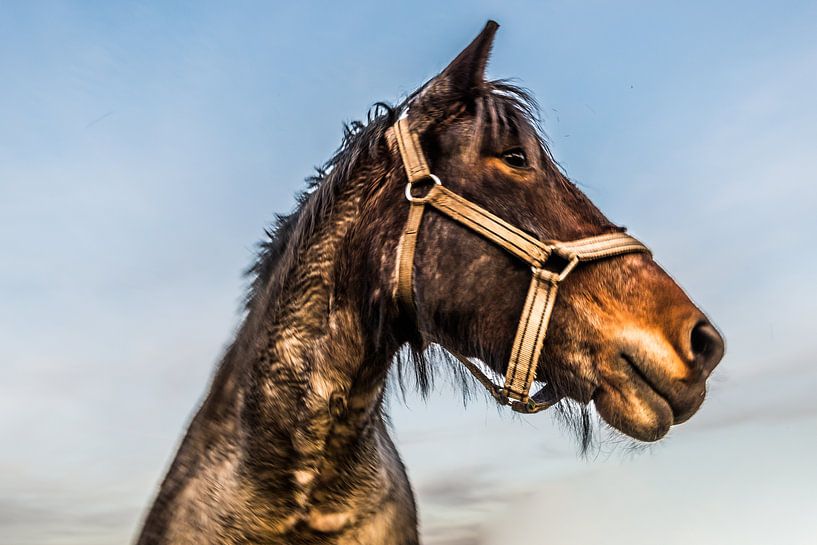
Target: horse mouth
(639,400)
(645,381)
(683,396)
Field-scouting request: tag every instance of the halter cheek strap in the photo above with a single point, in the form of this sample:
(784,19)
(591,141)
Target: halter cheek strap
(535,317)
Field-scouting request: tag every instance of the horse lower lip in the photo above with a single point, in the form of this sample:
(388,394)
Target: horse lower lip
(646,380)
(679,413)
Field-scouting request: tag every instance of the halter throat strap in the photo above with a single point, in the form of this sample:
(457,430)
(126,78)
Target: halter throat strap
(544,285)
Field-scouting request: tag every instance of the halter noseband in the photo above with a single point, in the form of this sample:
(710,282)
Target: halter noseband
(533,323)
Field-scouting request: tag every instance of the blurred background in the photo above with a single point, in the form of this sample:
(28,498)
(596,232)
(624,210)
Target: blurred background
(144,146)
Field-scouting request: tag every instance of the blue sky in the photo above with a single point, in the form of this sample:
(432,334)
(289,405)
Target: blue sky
(145,145)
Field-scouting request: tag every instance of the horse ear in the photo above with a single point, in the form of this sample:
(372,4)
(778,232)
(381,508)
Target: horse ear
(463,76)
(467,71)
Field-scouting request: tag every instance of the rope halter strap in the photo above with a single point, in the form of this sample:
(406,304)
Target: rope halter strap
(544,285)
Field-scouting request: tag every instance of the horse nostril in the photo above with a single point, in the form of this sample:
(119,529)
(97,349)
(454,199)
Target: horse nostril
(707,346)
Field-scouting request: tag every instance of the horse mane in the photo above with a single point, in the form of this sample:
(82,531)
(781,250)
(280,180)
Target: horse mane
(499,107)
(360,140)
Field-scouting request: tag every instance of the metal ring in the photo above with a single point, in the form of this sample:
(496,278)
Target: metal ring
(570,266)
(412,198)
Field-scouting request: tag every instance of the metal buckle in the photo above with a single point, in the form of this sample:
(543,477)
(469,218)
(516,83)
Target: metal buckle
(550,276)
(571,264)
(411,198)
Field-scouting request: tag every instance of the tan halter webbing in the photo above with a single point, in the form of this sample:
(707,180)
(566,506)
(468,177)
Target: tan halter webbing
(535,317)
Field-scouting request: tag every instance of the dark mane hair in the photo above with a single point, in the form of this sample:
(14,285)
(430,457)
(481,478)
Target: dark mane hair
(499,107)
(360,140)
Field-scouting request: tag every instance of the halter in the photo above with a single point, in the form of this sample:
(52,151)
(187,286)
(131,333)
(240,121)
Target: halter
(533,323)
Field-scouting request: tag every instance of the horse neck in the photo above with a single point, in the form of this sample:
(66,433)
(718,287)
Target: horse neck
(291,439)
(313,383)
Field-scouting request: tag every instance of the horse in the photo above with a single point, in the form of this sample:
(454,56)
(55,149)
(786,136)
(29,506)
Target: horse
(440,222)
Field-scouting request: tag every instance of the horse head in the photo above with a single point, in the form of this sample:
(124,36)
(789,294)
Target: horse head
(621,334)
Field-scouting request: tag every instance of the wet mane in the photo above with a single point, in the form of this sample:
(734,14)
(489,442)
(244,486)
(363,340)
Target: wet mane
(360,140)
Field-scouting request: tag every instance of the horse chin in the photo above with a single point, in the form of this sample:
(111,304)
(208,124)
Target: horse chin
(628,401)
(635,411)
(641,399)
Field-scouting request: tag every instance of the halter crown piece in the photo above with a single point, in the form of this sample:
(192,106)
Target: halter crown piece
(533,323)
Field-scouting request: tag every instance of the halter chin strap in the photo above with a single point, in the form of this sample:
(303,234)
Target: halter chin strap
(533,323)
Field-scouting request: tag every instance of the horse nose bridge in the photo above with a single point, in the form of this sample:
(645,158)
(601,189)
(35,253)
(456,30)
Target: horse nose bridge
(696,341)
(650,301)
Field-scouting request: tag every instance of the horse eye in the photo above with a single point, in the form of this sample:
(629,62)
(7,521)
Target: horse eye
(515,157)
